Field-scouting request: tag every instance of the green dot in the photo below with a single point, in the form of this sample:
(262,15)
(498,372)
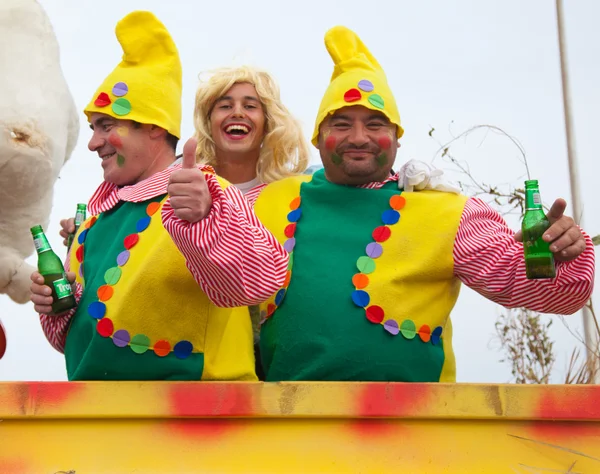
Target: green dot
(337,159)
(408,329)
(120,161)
(365,265)
(381,159)
(139,343)
(121,106)
(291,261)
(112,276)
(376,101)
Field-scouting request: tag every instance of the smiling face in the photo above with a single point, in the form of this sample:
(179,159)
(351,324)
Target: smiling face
(357,146)
(237,122)
(127,149)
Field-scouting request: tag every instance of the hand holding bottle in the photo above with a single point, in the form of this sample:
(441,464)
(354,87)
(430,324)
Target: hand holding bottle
(41,294)
(567,241)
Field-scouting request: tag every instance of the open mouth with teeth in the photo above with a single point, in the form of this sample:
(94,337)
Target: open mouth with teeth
(237,131)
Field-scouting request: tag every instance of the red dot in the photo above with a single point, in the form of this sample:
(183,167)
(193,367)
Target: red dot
(271,309)
(79,254)
(115,140)
(105,327)
(385,142)
(381,234)
(330,143)
(290,230)
(352,95)
(375,314)
(162,348)
(102,100)
(131,240)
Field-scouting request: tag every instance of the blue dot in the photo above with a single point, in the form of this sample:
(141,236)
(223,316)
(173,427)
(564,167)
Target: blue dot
(390,217)
(82,236)
(142,224)
(183,349)
(97,310)
(279,296)
(294,216)
(436,335)
(361,298)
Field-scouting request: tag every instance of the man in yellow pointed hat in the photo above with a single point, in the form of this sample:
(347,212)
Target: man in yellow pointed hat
(141,313)
(375,270)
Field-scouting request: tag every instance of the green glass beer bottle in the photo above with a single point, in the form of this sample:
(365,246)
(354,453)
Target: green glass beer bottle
(80,216)
(539,260)
(51,268)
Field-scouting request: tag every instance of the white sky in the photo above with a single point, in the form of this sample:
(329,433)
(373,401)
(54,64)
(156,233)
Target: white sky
(467,61)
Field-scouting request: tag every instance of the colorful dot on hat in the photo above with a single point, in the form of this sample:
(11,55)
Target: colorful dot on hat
(352,95)
(121,106)
(366,85)
(120,89)
(102,100)
(376,101)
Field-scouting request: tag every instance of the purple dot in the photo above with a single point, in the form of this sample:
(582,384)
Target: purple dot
(364,85)
(120,89)
(391,326)
(374,250)
(123,257)
(289,245)
(121,338)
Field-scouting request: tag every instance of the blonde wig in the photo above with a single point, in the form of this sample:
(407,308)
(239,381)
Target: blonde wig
(284,150)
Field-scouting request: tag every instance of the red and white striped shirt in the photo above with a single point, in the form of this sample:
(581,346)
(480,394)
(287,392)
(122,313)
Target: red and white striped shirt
(234,259)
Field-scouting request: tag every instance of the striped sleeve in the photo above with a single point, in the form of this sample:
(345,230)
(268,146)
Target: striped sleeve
(489,260)
(234,259)
(55,327)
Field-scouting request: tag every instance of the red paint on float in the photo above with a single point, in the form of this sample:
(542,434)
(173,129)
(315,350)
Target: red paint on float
(210,399)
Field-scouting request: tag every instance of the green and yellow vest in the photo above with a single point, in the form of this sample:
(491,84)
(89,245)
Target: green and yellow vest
(366,298)
(142,315)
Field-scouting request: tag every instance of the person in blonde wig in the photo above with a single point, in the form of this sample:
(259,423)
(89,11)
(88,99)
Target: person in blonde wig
(244,131)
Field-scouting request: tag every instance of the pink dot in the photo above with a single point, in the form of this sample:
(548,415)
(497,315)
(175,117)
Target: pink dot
(330,143)
(385,142)
(115,140)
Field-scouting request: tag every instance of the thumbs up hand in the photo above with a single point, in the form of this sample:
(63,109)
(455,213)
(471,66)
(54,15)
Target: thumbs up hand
(190,197)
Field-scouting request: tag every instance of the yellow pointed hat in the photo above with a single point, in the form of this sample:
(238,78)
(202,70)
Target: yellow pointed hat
(357,79)
(146,85)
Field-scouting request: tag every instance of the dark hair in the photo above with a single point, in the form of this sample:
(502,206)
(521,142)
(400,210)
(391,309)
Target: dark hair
(172,140)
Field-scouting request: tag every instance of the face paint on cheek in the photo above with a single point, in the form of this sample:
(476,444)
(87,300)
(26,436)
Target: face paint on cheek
(330,143)
(336,159)
(384,143)
(382,160)
(120,161)
(115,141)
(122,131)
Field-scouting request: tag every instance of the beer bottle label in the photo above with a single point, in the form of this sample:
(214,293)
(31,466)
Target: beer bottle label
(537,200)
(79,217)
(63,288)
(41,243)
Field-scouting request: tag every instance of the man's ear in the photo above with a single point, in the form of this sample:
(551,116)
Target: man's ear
(157,132)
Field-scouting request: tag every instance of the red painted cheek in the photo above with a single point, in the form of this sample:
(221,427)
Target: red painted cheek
(330,143)
(385,143)
(115,141)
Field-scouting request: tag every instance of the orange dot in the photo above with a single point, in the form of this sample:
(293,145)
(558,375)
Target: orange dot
(295,204)
(271,309)
(105,292)
(425,333)
(162,348)
(397,202)
(152,208)
(288,277)
(91,222)
(360,280)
